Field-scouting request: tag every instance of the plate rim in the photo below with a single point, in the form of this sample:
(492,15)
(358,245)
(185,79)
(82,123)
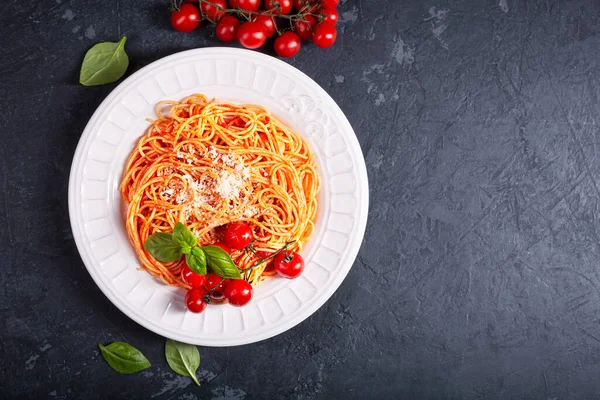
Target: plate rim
(355,240)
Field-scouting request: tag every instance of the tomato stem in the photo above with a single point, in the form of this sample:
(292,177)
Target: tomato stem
(272,255)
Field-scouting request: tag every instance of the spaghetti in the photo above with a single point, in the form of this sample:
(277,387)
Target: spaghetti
(207,163)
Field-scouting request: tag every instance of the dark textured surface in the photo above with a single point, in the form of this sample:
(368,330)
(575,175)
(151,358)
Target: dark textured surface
(478,276)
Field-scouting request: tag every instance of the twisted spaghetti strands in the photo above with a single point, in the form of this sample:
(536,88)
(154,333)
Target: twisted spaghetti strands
(205,164)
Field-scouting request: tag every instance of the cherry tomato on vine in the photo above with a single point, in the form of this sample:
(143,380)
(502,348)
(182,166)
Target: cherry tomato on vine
(211,12)
(191,278)
(194,300)
(331,15)
(186,18)
(329,3)
(305,5)
(304,28)
(279,7)
(238,292)
(223,246)
(239,234)
(267,22)
(324,35)
(289,265)
(214,281)
(287,45)
(227,29)
(248,5)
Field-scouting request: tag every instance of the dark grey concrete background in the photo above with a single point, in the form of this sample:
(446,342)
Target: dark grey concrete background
(478,276)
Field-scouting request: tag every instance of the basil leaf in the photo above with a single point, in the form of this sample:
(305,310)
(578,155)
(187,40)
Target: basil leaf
(104,63)
(183,236)
(196,260)
(183,358)
(161,246)
(220,263)
(124,358)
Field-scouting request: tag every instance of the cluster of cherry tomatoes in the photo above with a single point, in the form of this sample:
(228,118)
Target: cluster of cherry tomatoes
(244,21)
(237,292)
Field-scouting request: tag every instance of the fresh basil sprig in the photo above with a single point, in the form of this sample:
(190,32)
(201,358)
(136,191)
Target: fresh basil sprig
(196,260)
(124,358)
(169,247)
(183,236)
(183,358)
(162,247)
(104,63)
(220,263)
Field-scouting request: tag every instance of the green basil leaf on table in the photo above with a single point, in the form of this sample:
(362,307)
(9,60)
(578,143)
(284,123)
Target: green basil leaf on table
(220,263)
(104,63)
(161,246)
(124,358)
(183,236)
(196,260)
(183,358)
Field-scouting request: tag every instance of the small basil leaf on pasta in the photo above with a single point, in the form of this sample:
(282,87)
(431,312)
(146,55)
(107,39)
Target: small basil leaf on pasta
(183,236)
(183,358)
(220,263)
(124,358)
(104,63)
(161,246)
(196,260)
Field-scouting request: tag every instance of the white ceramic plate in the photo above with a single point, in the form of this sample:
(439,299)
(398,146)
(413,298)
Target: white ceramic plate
(240,76)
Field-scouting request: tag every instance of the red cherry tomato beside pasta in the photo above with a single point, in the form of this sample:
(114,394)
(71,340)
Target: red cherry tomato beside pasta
(227,29)
(238,234)
(267,22)
(287,45)
(331,15)
(306,5)
(211,12)
(252,35)
(248,5)
(191,278)
(194,300)
(279,7)
(186,18)
(324,35)
(289,264)
(304,28)
(238,292)
(330,3)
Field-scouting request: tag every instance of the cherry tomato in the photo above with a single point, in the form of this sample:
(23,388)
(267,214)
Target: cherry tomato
(267,22)
(238,292)
(331,15)
(252,35)
(191,278)
(211,12)
(324,35)
(279,7)
(186,19)
(194,300)
(238,234)
(289,265)
(263,254)
(305,5)
(223,246)
(329,3)
(214,281)
(287,45)
(248,5)
(227,29)
(304,28)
